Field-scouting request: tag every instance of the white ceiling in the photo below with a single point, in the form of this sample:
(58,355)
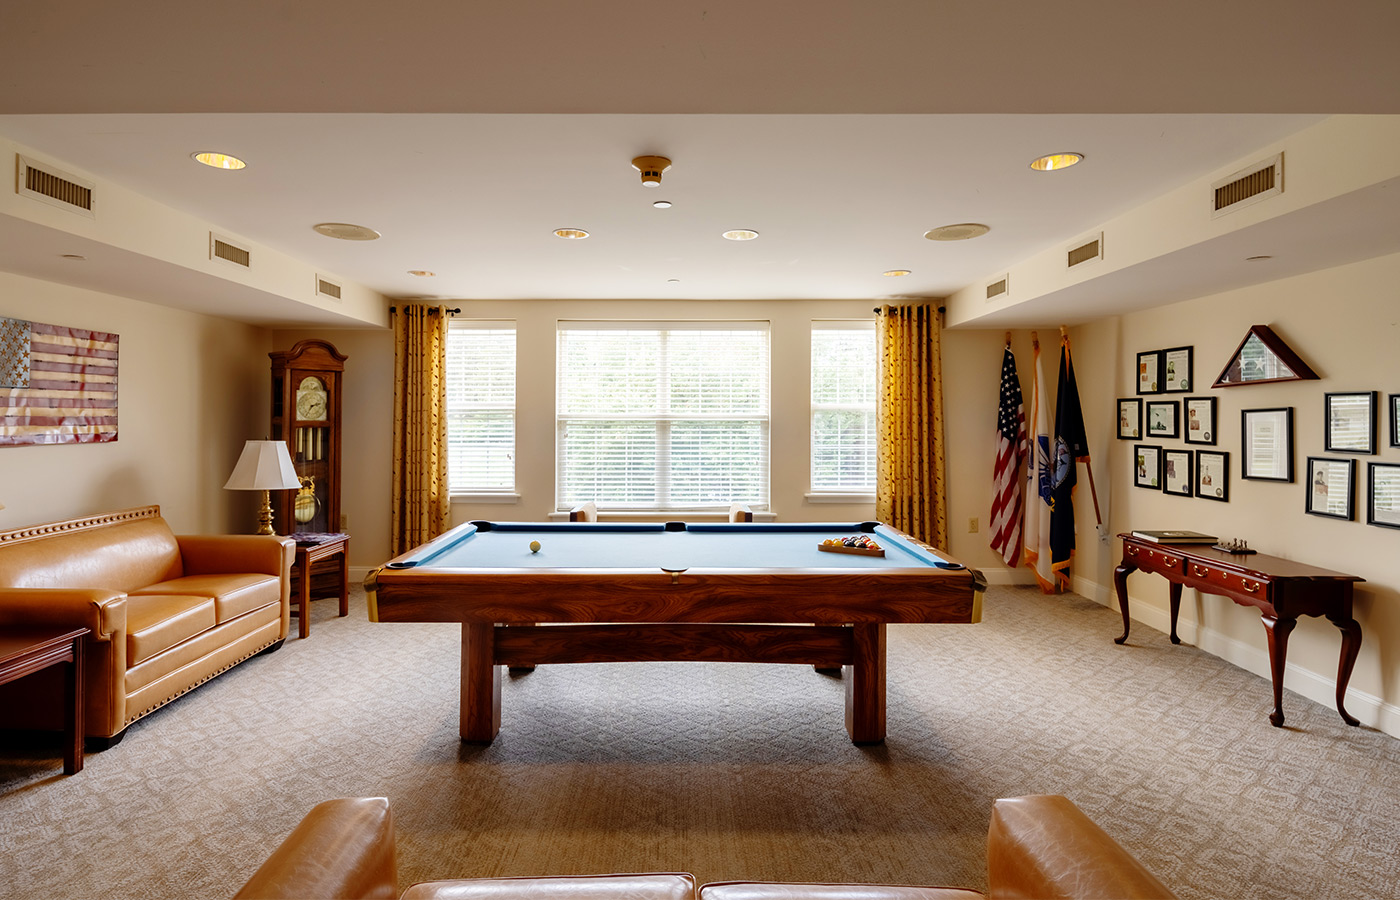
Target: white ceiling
(466,132)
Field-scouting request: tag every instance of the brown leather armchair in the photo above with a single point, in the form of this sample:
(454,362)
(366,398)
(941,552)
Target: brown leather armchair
(1040,846)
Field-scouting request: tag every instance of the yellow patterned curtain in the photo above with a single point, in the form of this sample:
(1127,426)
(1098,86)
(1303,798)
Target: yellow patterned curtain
(421,504)
(911,491)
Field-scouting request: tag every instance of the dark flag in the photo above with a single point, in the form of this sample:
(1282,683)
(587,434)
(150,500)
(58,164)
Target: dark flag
(1070,446)
(1006,473)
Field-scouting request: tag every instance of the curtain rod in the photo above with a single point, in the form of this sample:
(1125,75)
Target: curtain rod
(877,310)
(451,312)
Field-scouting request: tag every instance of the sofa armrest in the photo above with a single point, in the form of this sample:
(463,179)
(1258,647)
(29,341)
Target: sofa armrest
(222,554)
(101,611)
(342,849)
(1045,847)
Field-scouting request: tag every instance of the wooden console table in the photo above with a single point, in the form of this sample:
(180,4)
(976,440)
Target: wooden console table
(28,649)
(1282,589)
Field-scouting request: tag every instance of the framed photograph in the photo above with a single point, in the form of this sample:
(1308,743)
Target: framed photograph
(1129,419)
(1163,418)
(1266,444)
(1395,420)
(1213,475)
(1331,485)
(1176,473)
(1147,466)
(1350,422)
(1200,420)
(1149,368)
(1176,374)
(1383,494)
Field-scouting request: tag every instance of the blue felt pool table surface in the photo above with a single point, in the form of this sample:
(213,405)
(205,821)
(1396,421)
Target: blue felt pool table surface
(654,545)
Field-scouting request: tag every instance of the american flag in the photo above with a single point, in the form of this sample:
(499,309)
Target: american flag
(1011,452)
(58,385)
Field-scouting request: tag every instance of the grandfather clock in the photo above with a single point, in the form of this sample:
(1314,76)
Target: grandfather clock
(306,413)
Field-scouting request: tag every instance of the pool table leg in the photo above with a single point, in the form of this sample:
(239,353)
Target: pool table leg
(865,684)
(481,684)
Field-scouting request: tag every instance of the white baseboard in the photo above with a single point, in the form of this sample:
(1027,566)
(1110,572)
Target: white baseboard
(1319,688)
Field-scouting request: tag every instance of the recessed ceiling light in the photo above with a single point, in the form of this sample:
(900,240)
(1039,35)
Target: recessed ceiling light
(662,204)
(570,234)
(218,160)
(961,232)
(344,231)
(895,273)
(76,257)
(421,273)
(740,234)
(1057,161)
(673,281)
(1256,258)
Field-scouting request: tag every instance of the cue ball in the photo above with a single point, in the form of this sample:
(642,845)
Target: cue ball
(534,546)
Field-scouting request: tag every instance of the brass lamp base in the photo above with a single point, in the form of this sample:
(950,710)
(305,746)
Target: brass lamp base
(265,515)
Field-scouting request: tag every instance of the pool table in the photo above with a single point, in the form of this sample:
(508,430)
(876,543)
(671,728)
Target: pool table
(743,592)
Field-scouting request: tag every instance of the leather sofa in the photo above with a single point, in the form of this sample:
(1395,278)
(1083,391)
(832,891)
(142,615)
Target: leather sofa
(166,613)
(1041,846)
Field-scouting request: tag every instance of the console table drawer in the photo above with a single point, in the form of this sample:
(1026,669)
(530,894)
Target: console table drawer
(1213,579)
(1153,559)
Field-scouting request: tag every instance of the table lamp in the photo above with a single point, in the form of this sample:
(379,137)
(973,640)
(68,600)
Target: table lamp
(264,466)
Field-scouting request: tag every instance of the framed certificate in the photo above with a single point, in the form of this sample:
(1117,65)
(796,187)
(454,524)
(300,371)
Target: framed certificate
(1176,370)
(1147,466)
(1266,444)
(1350,422)
(1331,485)
(1149,372)
(1200,420)
(1176,473)
(1213,475)
(1129,419)
(1163,418)
(1383,494)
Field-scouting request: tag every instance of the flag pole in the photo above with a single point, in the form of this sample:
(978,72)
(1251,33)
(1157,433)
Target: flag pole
(1088,464)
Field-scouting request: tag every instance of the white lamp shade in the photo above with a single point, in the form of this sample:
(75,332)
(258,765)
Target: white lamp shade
(264,466)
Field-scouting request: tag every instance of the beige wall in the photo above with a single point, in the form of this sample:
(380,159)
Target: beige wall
(191,390)
(1342,322)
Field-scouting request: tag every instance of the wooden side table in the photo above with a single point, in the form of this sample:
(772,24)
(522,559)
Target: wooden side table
(311,548)
(25,650)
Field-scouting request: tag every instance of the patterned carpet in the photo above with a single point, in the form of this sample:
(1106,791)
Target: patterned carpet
(726,771)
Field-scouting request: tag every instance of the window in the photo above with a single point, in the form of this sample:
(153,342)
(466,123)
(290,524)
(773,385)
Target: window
(480,407)
(662,415)
(843,407)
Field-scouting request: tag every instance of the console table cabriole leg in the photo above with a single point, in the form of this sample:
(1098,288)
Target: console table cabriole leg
(1351,646)
(1278,631)
(1120,583)
(1174,595)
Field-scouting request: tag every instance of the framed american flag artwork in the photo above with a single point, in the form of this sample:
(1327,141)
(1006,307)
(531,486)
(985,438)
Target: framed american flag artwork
(58,384)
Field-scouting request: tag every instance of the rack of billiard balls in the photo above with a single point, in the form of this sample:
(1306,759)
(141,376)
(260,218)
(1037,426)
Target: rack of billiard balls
(859,545)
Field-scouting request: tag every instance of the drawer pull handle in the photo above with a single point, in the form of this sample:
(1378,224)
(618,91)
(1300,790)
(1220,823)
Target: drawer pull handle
(1199,571)
(1250,587)
(1132,551)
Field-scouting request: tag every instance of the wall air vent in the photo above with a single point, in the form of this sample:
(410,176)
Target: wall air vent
(221,248)
(327,288)
(1247,186)
(54,187)
(999,288)
(1085,252)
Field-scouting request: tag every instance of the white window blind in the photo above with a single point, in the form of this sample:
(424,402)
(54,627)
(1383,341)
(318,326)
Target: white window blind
(668,415)
(480,407)
(843,407)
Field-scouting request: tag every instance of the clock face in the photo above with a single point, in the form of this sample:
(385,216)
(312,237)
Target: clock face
(311,399)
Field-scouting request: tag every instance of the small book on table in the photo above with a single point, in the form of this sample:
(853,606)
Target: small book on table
(1175,537)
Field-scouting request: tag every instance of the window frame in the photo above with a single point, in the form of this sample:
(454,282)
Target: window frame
(822,495)
(478,492)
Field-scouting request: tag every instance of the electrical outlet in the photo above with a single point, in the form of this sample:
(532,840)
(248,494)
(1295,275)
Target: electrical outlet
(344,523)
(972,525)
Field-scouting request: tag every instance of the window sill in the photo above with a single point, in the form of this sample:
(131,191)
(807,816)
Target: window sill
(666,515)
(839,498)
(486,498)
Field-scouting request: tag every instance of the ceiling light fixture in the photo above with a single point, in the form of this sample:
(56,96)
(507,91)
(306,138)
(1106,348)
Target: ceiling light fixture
(422,273)
(651,168)
(961,232)
(662,204)
(76,257)
(343,231)
(1056,161)
(673,281)
(218,160)
(895,273)
(740,234)
(570,234)
(1256,258)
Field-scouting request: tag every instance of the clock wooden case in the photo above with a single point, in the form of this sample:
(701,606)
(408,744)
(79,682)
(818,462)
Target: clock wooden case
(306,413)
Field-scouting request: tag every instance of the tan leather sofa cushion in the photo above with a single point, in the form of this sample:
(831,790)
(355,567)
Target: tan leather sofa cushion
(740,890)
(233,595)
(657,886)
(343,848)
(126,556)
(157,622)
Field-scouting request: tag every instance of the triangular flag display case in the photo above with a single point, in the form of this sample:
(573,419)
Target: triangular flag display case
(1261,358)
